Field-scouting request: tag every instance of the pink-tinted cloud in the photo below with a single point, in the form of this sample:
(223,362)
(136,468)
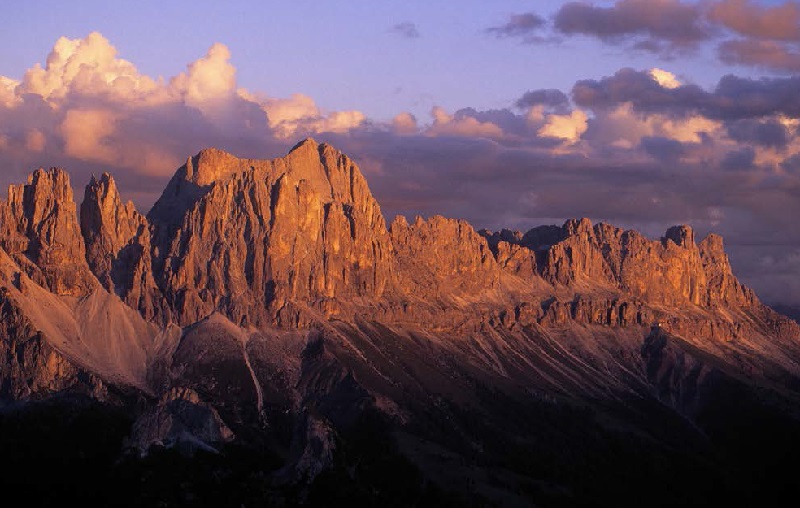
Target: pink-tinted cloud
(771,55)
(87,104)
(405,123)
(568,128)
(669,28)
(780,22)
(445,124)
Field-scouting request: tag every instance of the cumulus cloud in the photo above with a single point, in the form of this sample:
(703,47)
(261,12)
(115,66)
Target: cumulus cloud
(733,97)
(406,29)
(445,124)
(678,24)
(210,79)
(86,67)
(86,134)
(665,78)
(565,127)
(88,107)
(549,98)
(405,123)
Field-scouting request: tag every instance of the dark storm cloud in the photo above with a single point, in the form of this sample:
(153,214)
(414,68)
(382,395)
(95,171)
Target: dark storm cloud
(678,24)
(406,29)
(663,149)
(519,25)
(548,97)
(770,55)
(770,133)
(792,164)
(639,88)
(739,160)
(733,98)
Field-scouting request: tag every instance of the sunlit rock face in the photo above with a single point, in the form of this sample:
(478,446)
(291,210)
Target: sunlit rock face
(252,237)
(266,305)
(40,231)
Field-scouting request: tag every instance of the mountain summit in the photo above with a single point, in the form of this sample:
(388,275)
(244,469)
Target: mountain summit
(264,305)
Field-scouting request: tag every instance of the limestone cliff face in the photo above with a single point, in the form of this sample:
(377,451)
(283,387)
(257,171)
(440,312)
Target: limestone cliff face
(250,236)
(722,287)
(39,230)
(442,257)
(270,241)
(671,271)
(118,247)
(107,225)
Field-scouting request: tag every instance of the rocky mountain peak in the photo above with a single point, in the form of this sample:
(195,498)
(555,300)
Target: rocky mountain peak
(39,229)
(682,235)
(108,226)
(574,227)
(209,165)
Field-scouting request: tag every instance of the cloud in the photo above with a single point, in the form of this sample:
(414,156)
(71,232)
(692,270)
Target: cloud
(406,29)
(86,134)
(35,140)
(462,124)
(663,149)
(769,55)
(208,80)
(550,98)
(740,159)
(733,97)
(519,25)
(665,78)
(87,67)
(299,115)
(780,23)
(768,133)
(87,106)
(767,36)
(674,23)
(405,123)
(566,127)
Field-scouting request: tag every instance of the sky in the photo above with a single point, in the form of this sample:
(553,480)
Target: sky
(509,113)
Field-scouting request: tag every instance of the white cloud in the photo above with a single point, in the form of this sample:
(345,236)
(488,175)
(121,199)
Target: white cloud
(88,67)
(567,127)
(665,78)
(88,104)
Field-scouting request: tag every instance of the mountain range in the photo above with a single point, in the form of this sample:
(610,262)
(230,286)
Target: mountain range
(262,336)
